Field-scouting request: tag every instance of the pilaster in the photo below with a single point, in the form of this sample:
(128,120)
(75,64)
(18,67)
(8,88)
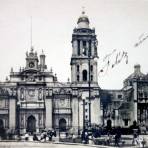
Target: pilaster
(75,111)
(12,112)
(48,115)
(135,101)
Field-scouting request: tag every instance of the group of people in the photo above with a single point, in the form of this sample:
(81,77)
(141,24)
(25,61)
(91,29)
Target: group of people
(116,139)
(138,140)
(43,136)
(87,137)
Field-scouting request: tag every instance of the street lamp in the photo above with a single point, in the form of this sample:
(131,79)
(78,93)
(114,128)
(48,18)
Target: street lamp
(89,54)
(83,99)
(18,117)
(83,132)
(89,81)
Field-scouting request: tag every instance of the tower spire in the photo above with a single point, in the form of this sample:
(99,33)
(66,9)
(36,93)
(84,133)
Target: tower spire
(31,32)
(83,10)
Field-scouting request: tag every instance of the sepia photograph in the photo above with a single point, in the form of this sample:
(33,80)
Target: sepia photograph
(73,73)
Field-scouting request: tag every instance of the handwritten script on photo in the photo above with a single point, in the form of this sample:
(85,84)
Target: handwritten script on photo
(141,38)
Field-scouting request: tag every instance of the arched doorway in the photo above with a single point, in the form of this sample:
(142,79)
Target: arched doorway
(62,125)
(109,124)
(84,73)
(1,123)
(2,130)
(31,124)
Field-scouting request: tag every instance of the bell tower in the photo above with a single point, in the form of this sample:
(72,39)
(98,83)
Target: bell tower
(84,53)
(31,59)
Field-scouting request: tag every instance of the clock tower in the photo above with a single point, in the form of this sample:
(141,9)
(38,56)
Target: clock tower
(31,59)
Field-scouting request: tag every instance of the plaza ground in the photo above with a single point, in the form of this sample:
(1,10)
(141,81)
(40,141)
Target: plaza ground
(45,145)
(56,144)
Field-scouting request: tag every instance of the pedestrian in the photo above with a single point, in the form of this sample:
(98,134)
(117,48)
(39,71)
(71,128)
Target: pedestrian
(135,139)
(26,137)
(90,140)
(35,138)
(82,136)
(50,134)
(86,137)
(43,136)
(117,138)
(74,138)
(109,138)
(140,141)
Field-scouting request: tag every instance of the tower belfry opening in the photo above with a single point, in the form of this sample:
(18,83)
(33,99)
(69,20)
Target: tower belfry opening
(84,43)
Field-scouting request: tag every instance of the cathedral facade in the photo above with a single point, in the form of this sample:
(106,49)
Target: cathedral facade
(32,99)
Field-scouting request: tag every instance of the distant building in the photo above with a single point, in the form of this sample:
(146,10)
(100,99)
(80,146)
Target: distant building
(123,107)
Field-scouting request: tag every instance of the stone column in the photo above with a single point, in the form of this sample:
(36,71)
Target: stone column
(73,73)
(95,110)
(95,72)
(101,116)
(37,123)
(12,112)
(81,114)
(75,47)
(87,48)
(75,112)
(135,101)
(81,47)
(116,117)
(48,115)
(92,47)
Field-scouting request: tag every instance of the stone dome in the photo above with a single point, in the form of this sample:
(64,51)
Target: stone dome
(83,21)
(137,74)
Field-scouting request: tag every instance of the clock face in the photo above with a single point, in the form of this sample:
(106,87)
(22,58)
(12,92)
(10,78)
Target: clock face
(31,92)
(31,64)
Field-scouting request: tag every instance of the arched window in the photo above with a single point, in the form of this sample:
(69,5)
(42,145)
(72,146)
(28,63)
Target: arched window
(84,75)
(78,68)
(90,48)
(91,77)
(22,94)
(84,44)
(40,94)
(78,78)
(78,47)
(1,124)
(91,68)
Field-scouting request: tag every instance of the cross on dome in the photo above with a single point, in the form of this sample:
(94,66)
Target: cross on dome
(83,10)
(83,21)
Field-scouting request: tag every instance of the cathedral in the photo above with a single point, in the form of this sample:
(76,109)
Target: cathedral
(32,99)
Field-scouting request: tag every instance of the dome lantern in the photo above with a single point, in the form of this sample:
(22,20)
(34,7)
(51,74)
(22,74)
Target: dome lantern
(83,21)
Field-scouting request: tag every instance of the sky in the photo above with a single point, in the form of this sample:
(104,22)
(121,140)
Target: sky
(119,24)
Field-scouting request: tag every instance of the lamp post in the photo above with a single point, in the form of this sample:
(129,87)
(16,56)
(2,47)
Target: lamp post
(18,117)
(89,87)
(89,81)
(83,132)
(83,99)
